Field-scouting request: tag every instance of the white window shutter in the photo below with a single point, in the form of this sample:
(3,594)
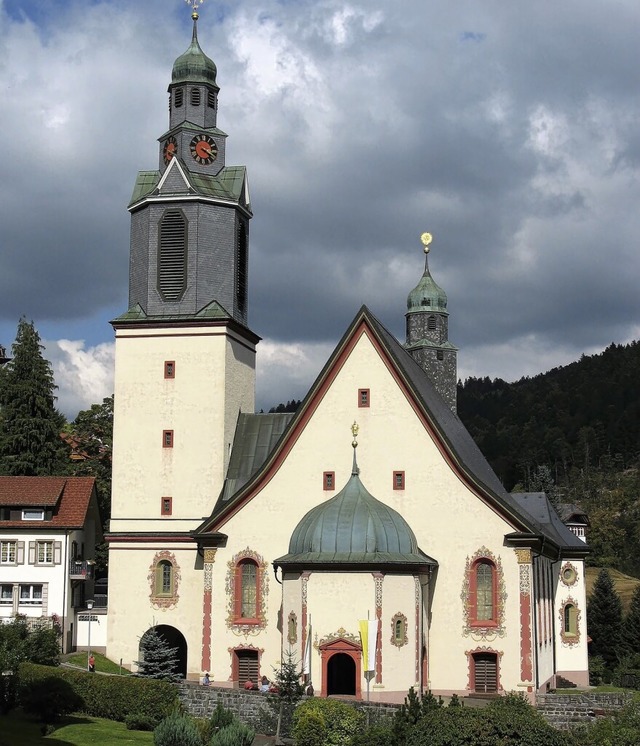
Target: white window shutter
(57,552)
(32,553)
(20,554)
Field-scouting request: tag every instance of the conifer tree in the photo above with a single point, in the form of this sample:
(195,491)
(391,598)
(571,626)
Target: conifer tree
(604,620)
(631,626)
(158,660)
(30,425)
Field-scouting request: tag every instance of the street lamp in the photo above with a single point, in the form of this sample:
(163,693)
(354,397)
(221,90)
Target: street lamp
(90,607)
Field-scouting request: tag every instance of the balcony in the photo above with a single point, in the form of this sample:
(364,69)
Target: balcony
(81,569)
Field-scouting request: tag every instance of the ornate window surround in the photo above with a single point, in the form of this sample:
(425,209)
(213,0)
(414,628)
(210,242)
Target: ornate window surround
(234,621)
(399,636)
(292,628)
(158,599)
(471,665)
(568,574)
(489,628)
(569,638)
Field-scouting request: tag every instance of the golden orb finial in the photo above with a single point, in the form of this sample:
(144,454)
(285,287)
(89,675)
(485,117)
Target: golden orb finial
(354,432)
(426,239)
(194,5)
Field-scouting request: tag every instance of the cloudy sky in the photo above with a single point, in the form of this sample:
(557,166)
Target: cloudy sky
(509,130)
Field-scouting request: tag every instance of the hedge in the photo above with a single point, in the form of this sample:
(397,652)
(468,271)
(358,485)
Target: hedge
(111,697)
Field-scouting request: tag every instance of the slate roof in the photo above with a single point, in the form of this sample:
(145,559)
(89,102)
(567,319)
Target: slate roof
(226,185)
(211,312)
(461,447)
(69,497)
(538,506)
(572,513)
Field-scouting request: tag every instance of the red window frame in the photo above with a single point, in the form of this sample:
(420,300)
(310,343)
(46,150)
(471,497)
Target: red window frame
(167,438)
(328,480)
(169,368)
(166,505)
(473,594)
(364,398)
(237,595)
(398,480)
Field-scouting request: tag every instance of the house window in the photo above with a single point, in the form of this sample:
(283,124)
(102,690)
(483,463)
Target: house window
(485,591)
(166,506)
(195,97)
(45,553)
(31,595)
(169,369)
(247,589)
(177,97)
(364,399)
(6,594)
(8,552)
(33,515)
(329,480)
(164,578)
(398,480)
(167,438)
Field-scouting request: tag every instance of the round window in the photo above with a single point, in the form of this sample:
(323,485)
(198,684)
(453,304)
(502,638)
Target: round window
(569,575)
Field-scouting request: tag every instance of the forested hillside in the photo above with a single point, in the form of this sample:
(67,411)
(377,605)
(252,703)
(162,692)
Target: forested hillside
(575,433)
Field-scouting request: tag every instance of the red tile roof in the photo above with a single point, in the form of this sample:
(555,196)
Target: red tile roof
(68,496)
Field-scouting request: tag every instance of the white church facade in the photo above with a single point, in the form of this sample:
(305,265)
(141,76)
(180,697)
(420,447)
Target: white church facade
(242,537)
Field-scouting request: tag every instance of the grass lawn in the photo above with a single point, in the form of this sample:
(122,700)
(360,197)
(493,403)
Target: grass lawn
(17,730)
(104,665)
(625,584)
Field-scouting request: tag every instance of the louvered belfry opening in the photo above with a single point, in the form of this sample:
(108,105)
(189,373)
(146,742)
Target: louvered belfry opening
(485,672)
(172,259)
(241,268)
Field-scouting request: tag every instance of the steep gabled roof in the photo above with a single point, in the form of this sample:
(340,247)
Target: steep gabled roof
(69,497)
(451,436)
(537,505)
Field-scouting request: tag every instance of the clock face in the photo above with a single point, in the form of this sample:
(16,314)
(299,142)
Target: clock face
(204,149)
(170,148)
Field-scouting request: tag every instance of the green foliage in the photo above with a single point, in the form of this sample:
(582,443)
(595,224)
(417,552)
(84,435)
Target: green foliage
(413,708)
(176,730)
(336,722)
(234,734)
(597,671)
(288,692)
(158,660)
(136,721)
(49,698)
(112,697)
(30,425)
(221,717)
(604,620)
(619,729)
(376,735)
(631,625)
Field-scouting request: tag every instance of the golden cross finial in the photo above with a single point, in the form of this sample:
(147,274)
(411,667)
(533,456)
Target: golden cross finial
(426,239)
(354,432)
(194,6)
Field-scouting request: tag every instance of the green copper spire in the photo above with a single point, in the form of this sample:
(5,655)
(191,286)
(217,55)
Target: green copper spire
(194,66)
(427,294)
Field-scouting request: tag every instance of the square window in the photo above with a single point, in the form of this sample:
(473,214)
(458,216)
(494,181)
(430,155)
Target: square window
(6,594)
(166,506)
(8,552)
(329,480)
(167,438)
(398,480)
(45,553)
(169,368)
(364,398)
(31,595)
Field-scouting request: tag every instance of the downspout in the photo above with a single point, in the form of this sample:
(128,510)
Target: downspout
(535,621)
(64,588)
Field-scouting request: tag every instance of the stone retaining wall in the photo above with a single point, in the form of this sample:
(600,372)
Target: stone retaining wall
(564,711)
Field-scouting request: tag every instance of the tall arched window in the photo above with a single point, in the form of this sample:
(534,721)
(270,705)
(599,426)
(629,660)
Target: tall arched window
(570,623)
(484,592)
(247,596)
(164,578)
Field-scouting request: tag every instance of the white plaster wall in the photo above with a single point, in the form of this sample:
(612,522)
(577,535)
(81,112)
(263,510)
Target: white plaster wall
(214,380)
(545,619)
(572,660)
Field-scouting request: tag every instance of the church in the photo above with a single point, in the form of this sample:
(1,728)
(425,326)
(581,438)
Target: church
(245,538)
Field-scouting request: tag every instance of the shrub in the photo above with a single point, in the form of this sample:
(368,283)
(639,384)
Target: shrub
(235,734)
(136,721)
(340,722)
(377,735)
(620,729)
(112,697)
(177,730)
(221,717)
(49,699)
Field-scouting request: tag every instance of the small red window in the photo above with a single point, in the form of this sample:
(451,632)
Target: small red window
(169,368)
(364,398)
(329,480)
(398,480)
(166,506)
(167,438)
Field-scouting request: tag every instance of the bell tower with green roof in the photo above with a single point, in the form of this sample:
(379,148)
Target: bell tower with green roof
(428,332)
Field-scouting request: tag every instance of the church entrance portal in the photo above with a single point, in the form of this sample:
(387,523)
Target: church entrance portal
(341,674)
(172,638)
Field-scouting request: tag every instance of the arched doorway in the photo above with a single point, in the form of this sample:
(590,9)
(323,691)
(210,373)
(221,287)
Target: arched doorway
(341,674)
(341,666)
(164,637)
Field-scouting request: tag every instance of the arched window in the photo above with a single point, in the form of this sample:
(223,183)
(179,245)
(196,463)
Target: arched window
(164,578)
(247,597)
(177,97)
(484,592)
(399,630)
(570,622)
(483,595)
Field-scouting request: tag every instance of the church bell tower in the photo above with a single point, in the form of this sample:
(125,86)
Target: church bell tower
(185,357)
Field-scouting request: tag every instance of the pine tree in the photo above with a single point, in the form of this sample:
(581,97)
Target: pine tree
(631,625)
(288,692)
(604,620)
(158,660)
(30,425)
